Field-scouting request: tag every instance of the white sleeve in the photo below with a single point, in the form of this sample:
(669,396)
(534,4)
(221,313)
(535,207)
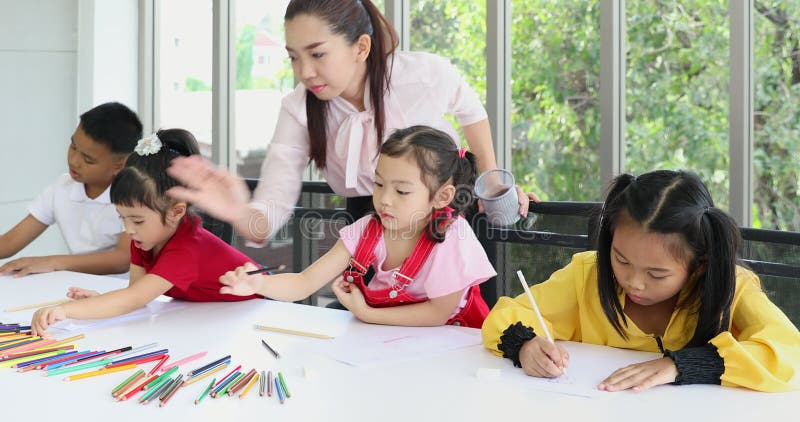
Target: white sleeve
(462,101)
(42,208)
(282,171)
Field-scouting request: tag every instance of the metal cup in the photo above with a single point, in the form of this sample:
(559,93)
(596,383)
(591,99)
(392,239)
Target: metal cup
(497,189)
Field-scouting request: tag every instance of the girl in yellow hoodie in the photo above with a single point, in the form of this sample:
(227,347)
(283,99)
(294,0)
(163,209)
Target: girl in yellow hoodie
(663,279)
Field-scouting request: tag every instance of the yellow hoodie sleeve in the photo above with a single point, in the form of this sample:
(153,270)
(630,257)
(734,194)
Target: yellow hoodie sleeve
(556,299)
(762,350)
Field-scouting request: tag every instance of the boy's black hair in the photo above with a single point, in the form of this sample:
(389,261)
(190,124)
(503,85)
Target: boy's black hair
(674,202)
(437,157)
(114,125)
(144,179)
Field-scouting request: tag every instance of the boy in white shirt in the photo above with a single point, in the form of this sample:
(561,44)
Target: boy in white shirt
(79,202)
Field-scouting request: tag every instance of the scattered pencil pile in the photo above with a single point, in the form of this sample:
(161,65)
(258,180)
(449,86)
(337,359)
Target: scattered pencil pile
(20,350)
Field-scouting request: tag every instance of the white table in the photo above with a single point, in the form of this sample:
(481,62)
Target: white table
(443,387)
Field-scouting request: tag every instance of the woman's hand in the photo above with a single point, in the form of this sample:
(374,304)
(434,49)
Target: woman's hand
(540,357)
(349,296)
(46,317)
(214,190)
(641,376)
(239,283)
(80,293)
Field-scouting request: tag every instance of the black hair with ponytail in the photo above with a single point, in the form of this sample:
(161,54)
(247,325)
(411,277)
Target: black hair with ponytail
(351,19)
(439,162)
(144,179)
(675,202)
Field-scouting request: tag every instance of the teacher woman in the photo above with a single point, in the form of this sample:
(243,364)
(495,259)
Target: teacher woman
(354,90)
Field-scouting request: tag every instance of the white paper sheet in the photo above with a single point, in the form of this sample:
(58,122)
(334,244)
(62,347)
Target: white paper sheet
(589,364)
(374,345)
(151,309)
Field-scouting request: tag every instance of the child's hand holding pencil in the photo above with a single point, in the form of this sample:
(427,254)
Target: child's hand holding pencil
(245,280)
(542,358)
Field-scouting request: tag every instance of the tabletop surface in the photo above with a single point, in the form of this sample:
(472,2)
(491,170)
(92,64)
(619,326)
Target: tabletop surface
(468,383)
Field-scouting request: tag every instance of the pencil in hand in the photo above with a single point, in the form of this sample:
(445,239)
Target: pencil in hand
(267,269)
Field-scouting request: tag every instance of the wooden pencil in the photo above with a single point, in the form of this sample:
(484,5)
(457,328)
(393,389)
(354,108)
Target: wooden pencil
(293,332)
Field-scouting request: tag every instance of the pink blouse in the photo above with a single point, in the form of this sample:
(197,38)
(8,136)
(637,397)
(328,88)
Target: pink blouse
(455,264)
(422,90)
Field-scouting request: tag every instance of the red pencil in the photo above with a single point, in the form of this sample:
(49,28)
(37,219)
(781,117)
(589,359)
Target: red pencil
(137,361)
(226,376)
(158,365)
(137,389)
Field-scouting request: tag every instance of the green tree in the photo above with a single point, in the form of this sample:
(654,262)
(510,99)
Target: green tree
(244,57)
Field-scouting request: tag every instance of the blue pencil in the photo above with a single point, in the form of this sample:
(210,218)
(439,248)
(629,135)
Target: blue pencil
(209,365)
(225,382)
(42,360)
(279,390)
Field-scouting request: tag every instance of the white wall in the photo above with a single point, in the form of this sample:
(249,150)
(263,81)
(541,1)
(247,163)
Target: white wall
(49,74)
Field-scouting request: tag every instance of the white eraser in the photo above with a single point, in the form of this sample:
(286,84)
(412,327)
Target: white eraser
(484,373)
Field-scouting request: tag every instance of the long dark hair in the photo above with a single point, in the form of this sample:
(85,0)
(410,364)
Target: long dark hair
(437,156)
(351,19)
(144,179)
(667,202)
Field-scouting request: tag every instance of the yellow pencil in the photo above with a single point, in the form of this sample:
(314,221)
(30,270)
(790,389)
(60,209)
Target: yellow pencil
(294,332)
(38,305)
(100,372)
(205,374)
(249,385)
(67,340)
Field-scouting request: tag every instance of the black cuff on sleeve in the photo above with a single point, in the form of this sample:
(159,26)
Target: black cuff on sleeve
(512,340)
(697,365)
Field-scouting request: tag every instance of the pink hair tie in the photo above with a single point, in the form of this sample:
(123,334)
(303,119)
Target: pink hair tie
(462,152)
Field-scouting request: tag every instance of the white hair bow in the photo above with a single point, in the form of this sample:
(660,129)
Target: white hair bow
(148,145)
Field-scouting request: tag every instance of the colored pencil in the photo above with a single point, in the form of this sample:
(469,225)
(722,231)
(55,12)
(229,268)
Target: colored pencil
(108,353)
(68,340)
(205,392)
(242,382)
(175,384)
(209,365)
(75,368)
(161,378)
(38,305)
(283,385)
(51,366)
(36,352)
(293,332)
(249,386)
(59,354)
(225,378)
(137,361)
(135,350)
(205,374)
(269,384)
(278,390)
(230,384)
(144,355)
(158,365)
(99,372)
(262,383)
(267,269)
(171,393)
(184,360)
(271,350)
(224,383)
(156,390)
(9,363)
(209,369)
(134,389)
(136,375)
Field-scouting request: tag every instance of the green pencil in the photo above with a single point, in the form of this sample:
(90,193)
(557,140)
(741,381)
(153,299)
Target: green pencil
(283,385)
(124,383)
(68,369)
(205,392)
(161,378)
(230,384)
